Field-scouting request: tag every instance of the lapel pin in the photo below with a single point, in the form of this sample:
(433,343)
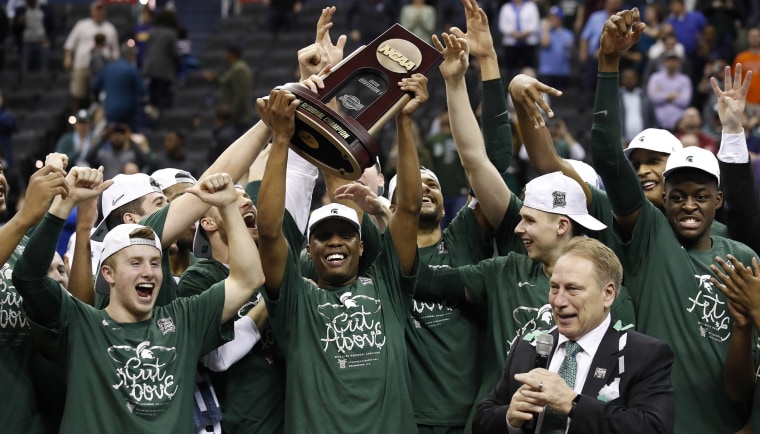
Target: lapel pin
(600,373)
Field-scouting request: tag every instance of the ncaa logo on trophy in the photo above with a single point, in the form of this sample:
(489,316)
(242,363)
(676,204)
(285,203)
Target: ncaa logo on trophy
(364,84)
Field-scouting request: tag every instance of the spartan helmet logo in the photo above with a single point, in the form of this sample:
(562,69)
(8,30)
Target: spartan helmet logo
(559,199)
(334,211)
(642,138)
(690,159)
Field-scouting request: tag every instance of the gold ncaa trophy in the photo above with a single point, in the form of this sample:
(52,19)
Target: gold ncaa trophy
(364,84)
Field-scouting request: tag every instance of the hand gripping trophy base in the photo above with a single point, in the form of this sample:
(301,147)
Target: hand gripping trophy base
(339,145)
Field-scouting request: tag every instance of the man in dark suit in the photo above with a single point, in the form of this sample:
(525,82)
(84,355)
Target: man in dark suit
(617,381)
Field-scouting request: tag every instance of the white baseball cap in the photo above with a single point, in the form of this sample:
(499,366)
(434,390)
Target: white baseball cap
(693,157)
(333,211)
(558,194)
(654,139)
(170,177)
(585,171)
(125,189)
(394,180)
(117,239)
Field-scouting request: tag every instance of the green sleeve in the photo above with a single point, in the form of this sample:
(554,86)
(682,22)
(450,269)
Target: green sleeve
(41,295)
(620,180)
(438,284)
(191,284)
(497,131)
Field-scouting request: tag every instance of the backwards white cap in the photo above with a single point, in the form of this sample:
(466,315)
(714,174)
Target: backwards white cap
(117,239)
(558,194)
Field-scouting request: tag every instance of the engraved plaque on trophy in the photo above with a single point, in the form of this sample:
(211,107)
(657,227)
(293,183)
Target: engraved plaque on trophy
(364,84)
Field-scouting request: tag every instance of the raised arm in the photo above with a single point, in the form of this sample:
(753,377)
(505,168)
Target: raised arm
(526,93)
(620,32)
(44,184)
(737,178)
(487,183)
(42,295)
(81,281)
(235,161)
(404,221)
(279,113)
(497,131)
(246,274)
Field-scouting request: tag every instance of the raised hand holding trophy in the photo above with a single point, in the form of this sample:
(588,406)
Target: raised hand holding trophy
(364,84)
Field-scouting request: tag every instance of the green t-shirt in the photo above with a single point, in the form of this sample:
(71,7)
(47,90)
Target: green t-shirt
(345,350)
(137,377)
(676,302)
(443,338)
(168,293)
(19,411)
(515,291)
(252,391)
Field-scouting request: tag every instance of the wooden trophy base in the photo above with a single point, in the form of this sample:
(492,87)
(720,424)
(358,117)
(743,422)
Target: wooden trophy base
(338,145)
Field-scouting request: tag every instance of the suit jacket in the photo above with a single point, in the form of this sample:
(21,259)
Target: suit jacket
(645,403)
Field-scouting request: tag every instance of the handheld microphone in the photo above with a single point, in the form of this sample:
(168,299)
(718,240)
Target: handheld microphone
(544,345)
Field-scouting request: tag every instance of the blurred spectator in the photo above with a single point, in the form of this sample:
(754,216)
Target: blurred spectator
(750,125)
(124,89)
(691,123)
(76,144)
(750,60)
(174,155)
(689,139)
(281,14)
(161,62)
(723,16)
(668,44)
(188,62)
(98,57)
(686,25)
(367,19)
(419,18)
(589,42)
(34,27)
(119,154)
(225,133)
(78,47)
(7,128)
(636,110)
(4,29)
(654,15)
(705,98)
(235,85)
(142,32)
(670,92)
(667,41)
(230,4)
(708,48)
(557,45)
(446,164)
(520,27)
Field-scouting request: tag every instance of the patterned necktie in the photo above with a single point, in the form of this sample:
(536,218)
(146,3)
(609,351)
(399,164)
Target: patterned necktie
(556,423)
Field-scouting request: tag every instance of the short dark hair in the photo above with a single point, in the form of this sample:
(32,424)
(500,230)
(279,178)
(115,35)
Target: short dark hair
(116,217)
